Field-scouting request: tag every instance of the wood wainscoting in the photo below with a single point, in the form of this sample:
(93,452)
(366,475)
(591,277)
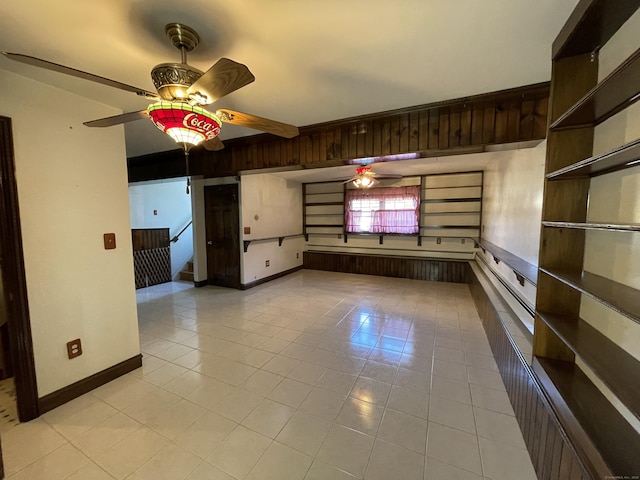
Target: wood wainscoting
(435,270)
(552,455)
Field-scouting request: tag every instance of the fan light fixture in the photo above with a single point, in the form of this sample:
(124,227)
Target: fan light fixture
(187,124)
(364,178)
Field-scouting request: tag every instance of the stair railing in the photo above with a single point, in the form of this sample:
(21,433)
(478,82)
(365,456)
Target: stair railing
(177,237)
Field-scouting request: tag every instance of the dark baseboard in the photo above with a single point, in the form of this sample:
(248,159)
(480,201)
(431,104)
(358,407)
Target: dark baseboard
(68,393)
(200,283)
(247,286)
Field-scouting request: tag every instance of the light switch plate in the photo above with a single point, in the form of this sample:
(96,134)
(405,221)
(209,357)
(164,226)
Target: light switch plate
(109,241)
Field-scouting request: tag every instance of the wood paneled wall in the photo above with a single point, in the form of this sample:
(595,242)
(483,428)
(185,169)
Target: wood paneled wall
(402,267)
(148,238)
(514,115)
(552,455)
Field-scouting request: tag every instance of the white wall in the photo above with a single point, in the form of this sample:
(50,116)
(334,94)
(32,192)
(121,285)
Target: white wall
(72,188)
(512,201)
(271,207)
(512,210)
(168,198)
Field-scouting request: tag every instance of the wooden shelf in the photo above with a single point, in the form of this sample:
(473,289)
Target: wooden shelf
(613,227)
(450,200)
(613,94)
(616,368)
(518,265)
(323,204)
(452,186)
(591,25)
(474,212)
(462,227)
(626,156)
(280,239)
(617,296)
(603,439)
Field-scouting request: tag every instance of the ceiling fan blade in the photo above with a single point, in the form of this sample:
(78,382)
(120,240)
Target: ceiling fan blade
(214,144)
(37,62)
(252,121)
(117,119)
(350,180)
(224,77)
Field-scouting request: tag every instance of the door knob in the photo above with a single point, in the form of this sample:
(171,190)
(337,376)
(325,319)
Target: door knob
(209,242)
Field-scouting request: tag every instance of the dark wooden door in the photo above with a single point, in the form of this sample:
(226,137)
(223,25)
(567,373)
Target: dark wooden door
(222,218)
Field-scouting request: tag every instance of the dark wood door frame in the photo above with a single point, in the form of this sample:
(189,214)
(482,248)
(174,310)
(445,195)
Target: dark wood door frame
(14,281)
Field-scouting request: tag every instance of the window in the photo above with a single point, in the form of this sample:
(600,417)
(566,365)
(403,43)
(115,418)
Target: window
(383,210)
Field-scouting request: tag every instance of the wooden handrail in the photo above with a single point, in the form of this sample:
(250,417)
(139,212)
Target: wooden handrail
(177,237)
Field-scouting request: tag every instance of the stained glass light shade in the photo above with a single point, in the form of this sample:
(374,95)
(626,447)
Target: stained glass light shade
(364,178)
(188,125)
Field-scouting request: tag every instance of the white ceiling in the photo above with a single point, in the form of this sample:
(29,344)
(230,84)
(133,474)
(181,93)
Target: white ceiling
(314,60)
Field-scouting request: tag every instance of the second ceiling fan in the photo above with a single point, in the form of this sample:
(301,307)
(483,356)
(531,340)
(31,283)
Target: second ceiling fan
(182,93)
(367,178)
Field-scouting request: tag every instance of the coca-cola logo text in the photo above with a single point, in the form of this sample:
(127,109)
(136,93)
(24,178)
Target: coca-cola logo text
(208,127)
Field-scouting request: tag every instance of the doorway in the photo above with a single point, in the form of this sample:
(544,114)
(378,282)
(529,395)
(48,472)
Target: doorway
(222,222)
(14,287)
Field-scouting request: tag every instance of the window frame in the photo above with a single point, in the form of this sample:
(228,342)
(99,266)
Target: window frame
(416,195)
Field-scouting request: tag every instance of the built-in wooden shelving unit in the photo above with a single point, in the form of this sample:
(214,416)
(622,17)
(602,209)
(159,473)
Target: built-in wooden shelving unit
(450,213)
(626,156)
(621,298)
(605,438)
(616,368)
(591,382)
(610,96)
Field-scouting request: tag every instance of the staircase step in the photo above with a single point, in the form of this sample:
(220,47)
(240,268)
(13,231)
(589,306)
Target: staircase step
(184,275)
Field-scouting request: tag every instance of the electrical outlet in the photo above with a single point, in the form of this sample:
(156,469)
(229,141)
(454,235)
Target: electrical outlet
(438,240)
(74,348)
(266,264)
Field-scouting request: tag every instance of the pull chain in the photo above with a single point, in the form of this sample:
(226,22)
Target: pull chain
(186,157)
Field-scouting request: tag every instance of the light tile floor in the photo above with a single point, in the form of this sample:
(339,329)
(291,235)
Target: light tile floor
(313,376)
(8,407)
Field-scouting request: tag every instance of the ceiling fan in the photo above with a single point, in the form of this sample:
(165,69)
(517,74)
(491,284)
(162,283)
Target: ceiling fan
(182,92)
(367,178)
